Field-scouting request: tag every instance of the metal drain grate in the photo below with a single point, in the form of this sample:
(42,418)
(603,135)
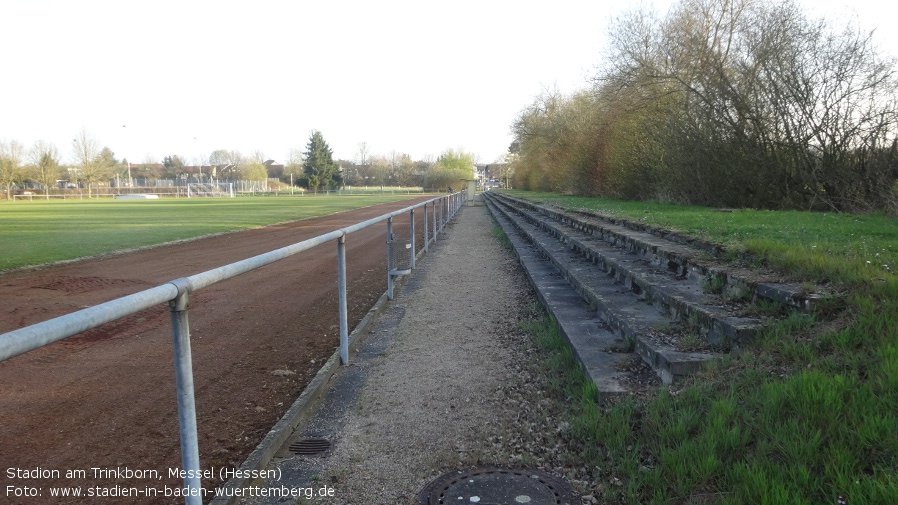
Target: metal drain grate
(310,446)
(498,486)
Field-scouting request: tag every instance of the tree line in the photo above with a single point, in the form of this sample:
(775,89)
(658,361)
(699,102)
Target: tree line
(314,168)
(732,103)
(449,169)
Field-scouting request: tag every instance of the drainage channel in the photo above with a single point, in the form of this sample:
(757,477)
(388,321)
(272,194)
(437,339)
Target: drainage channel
(498,486)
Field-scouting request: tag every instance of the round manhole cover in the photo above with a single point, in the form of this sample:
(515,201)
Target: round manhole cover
(309,446)
(496,486)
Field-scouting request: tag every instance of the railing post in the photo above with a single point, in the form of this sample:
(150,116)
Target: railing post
(442,222)
(389,258)
(341,281)
(411,228)
(426,231)
(190,452)
(435,221)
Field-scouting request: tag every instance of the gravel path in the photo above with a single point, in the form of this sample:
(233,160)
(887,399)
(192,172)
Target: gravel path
(458,387)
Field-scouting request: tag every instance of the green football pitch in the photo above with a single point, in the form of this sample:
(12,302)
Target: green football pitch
(38,232)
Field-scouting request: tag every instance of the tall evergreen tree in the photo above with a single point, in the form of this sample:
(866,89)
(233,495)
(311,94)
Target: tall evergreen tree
(319,167)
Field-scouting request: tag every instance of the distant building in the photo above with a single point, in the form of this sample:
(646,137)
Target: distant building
(275,170)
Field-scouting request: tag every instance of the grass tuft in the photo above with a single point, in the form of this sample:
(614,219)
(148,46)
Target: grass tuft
(499,233)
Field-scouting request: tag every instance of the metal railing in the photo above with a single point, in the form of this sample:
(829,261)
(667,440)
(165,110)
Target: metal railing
(177,292)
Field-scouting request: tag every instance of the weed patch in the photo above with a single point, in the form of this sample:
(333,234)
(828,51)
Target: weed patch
(500,235)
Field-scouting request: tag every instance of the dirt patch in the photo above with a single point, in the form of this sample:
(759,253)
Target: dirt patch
(105,399)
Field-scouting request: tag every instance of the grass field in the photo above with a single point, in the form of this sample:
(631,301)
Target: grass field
(39,231)
(806,415)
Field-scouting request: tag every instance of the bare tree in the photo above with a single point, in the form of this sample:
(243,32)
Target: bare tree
(293,168)
(235,158)
(837,116)
(219,157)
(86,151)
(403,169)
(45,159)
(363,154)
(258,156)
(504,168)
(11,154)
(381,171)
(766,106)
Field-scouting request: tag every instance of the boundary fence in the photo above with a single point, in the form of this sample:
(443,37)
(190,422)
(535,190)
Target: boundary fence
(176,294)
(239,189)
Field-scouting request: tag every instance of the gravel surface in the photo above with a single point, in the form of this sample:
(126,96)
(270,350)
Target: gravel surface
(459,386)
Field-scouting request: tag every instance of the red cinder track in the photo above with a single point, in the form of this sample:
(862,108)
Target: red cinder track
(106,398)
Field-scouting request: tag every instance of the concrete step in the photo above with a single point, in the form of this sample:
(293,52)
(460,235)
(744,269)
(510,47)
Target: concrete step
(685,257)
(717,320)
(604,355)
(669,298)
(644,326)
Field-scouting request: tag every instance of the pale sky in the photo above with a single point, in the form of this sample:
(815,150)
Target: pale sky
(150,79)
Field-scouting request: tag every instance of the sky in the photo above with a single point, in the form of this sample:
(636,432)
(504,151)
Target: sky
(155,78)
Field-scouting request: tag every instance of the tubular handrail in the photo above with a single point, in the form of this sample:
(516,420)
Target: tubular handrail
(26,339)
(176,292)
(38,335)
